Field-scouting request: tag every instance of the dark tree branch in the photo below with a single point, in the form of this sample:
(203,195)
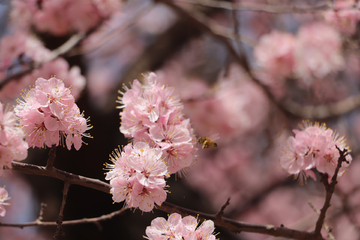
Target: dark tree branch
(52,156)
(62,175)
(330,188)
(233,225)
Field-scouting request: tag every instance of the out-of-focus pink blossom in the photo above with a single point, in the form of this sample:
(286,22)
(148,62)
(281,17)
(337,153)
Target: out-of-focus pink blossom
(62,17)
(152,112)
(12,144)
(49,113)
(178,228)
(3,197)
(138,176)
(16,55)
(344,16)
(275,53)
(314,146)
(318,51)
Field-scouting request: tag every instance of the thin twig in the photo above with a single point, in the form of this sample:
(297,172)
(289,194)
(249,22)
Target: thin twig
(258,7)
(38,222)
(220,213)
(59,220)
(109,36)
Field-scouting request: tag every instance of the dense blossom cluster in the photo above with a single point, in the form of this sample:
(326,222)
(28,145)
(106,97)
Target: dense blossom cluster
(180,228)
(163,143)
(4,196)
(314,53)
(64,16)
(19,51)
(313,147)
(12,144)
(48,113)
(153,113)
(137,176)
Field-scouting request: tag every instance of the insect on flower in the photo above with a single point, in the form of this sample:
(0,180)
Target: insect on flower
(208,141)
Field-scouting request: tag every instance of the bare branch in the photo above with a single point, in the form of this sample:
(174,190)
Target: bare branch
(237,226)
(38,222)
(233,225)
(59,220)
(221,211)
(62,175)
(258,7)
(109,36)
(327,228)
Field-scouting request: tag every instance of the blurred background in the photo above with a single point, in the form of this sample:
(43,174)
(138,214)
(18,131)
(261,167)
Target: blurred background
(250,75)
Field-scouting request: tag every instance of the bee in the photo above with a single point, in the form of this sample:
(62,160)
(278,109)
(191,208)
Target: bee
(207,142)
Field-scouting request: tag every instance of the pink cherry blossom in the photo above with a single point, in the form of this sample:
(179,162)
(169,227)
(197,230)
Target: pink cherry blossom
(48,113)
(16,55)
(64,16)
(3,197)
(153,113)
(313,146)
(137,176)
(318,51)
(177,228)
(162,229)
(275,53)
(12,144)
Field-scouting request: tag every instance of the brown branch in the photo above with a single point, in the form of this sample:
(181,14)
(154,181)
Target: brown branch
(38,222)
(96,184)
(327,228)
(59,220)
(257,7)
(237,226)
(62,175)
(330,188)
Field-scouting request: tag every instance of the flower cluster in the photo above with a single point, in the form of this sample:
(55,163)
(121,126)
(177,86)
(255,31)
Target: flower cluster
(313,147)
(4,196)
(180,228)
(137,176)
(12,144)
(48,113)
(153,113)
(314,53)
